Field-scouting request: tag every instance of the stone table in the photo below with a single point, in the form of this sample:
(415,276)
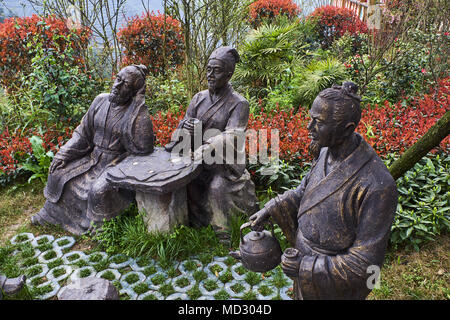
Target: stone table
(159,180)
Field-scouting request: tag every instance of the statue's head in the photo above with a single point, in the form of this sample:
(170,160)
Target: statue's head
(335,114)
(129,81)
(220,67)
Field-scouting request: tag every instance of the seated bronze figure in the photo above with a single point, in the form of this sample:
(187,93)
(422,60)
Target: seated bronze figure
(225,188)
(338,220)
(116,125)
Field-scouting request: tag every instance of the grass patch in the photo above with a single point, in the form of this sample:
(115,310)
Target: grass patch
(226,277)
(59,272)
(150,297)
(253,278)
(83,263)
(210,285)
(108,275)
(128,234)
(166,289)
(55,263)
(249,296)
(149,271)
(132,278)
(141,288)
(278,280)
(237,288)
(265,290)
(199,275)
(182,282)
(408,274)
(158,279)
(85,273)
(102,265)
(222,295)
(190,265)
(194,293)
(17,204)
(35,270)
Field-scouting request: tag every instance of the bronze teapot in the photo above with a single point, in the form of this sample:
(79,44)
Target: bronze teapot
(259,251)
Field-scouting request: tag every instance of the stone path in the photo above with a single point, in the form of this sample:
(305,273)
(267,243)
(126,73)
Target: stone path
(49,263)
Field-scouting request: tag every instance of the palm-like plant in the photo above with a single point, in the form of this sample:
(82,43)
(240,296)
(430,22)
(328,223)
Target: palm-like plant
(266,53)
(315,77)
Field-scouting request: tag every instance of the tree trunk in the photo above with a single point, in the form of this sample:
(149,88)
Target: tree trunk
(430,139)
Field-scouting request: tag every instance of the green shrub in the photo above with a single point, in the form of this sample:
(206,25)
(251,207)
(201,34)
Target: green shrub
(315,77)
(127,234)
(423,205)
(56,84)
(166,93)
(267,54)
(39,162)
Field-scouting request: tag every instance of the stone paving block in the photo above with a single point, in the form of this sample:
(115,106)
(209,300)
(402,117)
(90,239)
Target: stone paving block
(229,290)
(83,273)
(64,243)
(37,240)
(51,275)
(51,255)
(22,238)
(119,265)
(184,288)
(114,272)
(71,257)
(178,296)
(149,293)
(143,272)
(201,286)
(55,288)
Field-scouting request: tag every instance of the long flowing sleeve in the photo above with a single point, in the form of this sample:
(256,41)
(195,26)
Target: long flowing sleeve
(344,275)
(82,140)
(283,209)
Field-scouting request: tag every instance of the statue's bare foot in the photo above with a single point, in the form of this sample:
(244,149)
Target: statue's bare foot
(13,285)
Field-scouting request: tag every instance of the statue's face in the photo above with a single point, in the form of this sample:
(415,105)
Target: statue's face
(217,75)
(122,89)
(323,129)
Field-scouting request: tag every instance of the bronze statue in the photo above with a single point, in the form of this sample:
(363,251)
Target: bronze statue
(220,189)
(115,126)
(338,220)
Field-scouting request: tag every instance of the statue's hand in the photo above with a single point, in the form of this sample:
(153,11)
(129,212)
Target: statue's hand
(290,262)
(259,219)
(57,164)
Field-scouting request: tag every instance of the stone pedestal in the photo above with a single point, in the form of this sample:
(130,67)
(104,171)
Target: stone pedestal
(163,212)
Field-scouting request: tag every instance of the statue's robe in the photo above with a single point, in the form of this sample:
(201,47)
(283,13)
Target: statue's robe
(79,194)
(340,223)
(222,189)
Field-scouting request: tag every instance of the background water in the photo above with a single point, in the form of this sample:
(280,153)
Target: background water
(134,7)
(131,8)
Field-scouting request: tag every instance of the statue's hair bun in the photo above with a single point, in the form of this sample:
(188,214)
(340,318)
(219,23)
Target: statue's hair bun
(143,70)
(350,87)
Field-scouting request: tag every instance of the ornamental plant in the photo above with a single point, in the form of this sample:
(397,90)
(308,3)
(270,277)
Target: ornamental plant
(270,9)
(17,35)
(333,22)
(154,40)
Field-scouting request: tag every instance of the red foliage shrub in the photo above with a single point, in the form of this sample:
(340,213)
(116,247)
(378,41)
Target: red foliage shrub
(164,125)
(395,128)
(155,41)
(269,9)
(333,22)
(15,147)
(292,132)
(17,34)
(387,128)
